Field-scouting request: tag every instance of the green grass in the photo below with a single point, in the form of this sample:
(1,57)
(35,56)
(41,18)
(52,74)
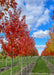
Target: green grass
(17,68)
(40,67)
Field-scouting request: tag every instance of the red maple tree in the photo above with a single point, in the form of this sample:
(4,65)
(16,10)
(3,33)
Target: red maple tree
(5,5)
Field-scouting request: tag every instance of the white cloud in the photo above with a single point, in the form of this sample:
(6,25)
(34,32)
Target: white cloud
(51,7)
(40,46)
(0,44)
(43,19)
(4,40)
(41,34)
(35,12)
(40,51)
(0,50)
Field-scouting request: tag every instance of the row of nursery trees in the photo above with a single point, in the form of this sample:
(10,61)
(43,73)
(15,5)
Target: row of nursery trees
(49,49)
(15,31)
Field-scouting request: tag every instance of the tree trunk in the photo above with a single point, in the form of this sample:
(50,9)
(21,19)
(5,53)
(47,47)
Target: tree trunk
(6,61)
(21,64)
(11,65)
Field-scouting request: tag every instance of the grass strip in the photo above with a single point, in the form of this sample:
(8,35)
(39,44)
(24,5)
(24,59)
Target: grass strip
(40,67)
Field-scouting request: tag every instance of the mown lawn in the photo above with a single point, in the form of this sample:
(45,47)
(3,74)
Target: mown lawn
(40,67)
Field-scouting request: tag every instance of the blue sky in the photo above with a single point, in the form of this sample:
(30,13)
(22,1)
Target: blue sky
(38,18)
